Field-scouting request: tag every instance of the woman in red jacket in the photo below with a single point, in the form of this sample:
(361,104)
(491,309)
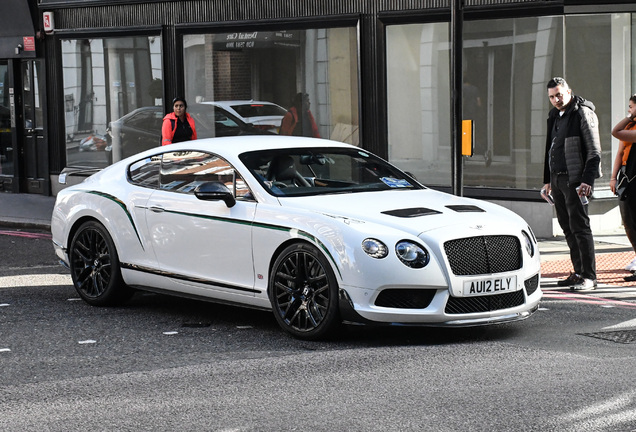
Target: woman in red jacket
(178,126)
(299,121)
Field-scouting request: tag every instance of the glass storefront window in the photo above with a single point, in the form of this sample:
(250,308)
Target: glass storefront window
(507,64)
(418,93)
(599,68)
(256,76)
(106,83)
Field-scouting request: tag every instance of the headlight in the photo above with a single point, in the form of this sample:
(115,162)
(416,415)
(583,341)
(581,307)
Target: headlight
(529,243)
(375,248)
(411,254)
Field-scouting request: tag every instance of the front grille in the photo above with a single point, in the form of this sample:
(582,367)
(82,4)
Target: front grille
(531,284)
(405,298)
(483,255)
(462,305)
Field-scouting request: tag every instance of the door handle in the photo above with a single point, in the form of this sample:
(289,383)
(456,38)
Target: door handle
(157,209)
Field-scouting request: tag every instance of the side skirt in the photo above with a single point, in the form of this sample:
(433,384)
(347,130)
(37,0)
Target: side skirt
(197,297)
(186,278)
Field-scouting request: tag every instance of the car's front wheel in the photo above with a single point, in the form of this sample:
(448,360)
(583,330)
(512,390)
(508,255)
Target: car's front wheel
(95,266)
(304,292)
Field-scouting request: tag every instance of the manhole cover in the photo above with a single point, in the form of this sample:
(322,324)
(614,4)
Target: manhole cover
(619,336)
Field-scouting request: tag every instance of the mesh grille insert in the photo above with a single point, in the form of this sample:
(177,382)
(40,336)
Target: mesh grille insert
(483,255)
(462,305)
(405,298)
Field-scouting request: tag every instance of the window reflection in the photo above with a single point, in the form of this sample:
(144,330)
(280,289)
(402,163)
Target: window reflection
(183,171)
(105,80)
(256,75)
(418,93)
(506,65)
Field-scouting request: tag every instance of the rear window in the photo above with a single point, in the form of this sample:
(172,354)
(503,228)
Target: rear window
(259,110)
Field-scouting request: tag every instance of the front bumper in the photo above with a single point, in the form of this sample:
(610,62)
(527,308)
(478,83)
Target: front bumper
(438,314)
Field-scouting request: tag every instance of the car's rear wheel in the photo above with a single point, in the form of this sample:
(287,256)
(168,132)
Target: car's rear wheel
(304,292)
(95,266)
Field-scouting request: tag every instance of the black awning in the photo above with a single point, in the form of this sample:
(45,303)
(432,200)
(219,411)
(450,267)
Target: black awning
(17,37)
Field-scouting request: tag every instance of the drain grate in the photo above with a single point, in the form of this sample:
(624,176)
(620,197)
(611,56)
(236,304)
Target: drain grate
(619,336)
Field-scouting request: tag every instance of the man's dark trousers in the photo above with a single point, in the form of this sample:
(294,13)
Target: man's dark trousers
(575,223)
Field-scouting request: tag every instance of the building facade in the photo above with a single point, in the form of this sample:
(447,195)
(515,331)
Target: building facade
(93,79)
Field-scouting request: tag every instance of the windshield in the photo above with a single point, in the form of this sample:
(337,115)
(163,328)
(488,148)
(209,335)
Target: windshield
(319,171)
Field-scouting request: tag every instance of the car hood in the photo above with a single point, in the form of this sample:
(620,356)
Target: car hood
(415,212)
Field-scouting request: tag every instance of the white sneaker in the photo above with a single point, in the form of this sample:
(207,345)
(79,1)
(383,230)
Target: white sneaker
(584,285)
(631,266)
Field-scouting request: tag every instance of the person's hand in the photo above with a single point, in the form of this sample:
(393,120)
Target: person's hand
(585,189)
(613,185)
(547,188)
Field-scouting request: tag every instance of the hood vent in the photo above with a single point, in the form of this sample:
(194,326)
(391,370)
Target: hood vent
(465,208)
(411,212)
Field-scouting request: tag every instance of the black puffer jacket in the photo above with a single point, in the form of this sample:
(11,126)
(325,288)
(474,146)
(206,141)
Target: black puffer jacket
(582,144)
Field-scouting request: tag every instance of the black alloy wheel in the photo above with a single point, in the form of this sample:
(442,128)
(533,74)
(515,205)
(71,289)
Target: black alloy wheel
(304,292)
(95,267)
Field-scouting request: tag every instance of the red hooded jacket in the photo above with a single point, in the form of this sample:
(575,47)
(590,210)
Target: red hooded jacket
(170,126)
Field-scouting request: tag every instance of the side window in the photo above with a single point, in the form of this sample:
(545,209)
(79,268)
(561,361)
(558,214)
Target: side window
(183,171)
(145,172)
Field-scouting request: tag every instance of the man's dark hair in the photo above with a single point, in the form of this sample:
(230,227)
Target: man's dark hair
(557,81)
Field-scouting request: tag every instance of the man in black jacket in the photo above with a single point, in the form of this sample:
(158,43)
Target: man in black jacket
(572,163)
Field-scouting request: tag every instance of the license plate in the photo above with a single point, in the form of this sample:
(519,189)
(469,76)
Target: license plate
(490,286)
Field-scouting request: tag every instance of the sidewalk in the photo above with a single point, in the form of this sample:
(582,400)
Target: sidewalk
(26,211)
(613,251)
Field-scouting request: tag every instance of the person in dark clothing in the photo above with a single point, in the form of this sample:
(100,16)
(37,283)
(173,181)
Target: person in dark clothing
(572,163)
(178,126)
(299,121)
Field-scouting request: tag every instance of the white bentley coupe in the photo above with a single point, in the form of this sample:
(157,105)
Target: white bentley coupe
(317,231)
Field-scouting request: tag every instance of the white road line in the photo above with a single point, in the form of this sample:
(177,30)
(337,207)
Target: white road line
(35,280)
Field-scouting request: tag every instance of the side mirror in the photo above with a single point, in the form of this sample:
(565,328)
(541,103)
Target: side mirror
(215,191)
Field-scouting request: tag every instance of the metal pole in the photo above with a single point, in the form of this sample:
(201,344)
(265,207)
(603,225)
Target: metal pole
(457,27)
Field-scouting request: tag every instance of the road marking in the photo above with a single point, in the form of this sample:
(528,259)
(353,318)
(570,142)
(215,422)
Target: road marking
(588,299)
(35,280)
(624,324)
(25,234)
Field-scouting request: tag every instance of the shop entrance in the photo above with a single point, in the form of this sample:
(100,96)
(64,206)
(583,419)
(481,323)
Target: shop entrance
(6,137)
(33,155)
(24,166)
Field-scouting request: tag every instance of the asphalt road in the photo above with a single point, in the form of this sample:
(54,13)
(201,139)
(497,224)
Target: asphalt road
(167,364)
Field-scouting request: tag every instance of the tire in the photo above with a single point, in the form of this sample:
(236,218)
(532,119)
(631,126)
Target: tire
(95,267)
(304,293)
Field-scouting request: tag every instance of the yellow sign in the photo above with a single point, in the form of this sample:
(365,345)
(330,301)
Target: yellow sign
(468,138)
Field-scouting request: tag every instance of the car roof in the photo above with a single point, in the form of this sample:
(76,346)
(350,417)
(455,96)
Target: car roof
(239,102)
(235,145)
